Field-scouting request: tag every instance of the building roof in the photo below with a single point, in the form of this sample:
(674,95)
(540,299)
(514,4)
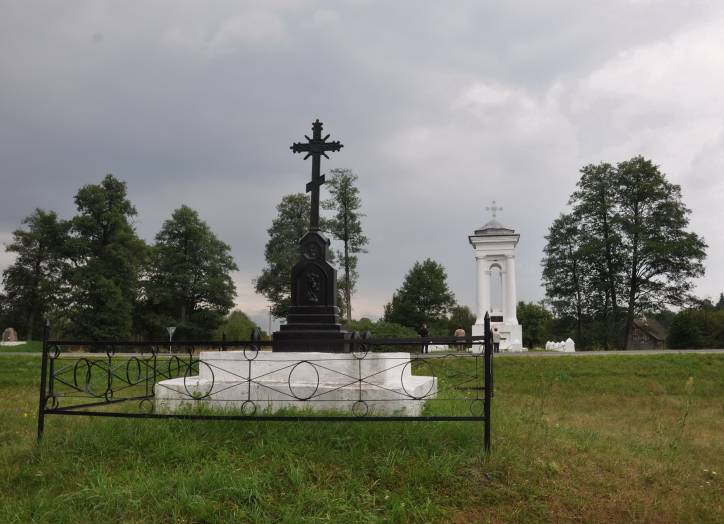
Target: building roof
(494,228)
(652,327)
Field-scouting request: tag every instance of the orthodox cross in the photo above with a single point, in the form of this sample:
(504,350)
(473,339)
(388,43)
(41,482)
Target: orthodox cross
(494,209)
(315,147)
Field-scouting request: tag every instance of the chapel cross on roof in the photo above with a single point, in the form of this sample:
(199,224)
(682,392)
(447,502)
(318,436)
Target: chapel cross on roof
(494,209)
(315,147)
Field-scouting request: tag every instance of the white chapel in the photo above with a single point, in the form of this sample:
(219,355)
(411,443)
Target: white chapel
(494,246)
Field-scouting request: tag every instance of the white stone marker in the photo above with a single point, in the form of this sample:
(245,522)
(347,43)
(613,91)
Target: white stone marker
(568,346)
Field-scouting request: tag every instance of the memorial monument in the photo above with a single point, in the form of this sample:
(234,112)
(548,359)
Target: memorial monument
(494,246)
(301,372)
(313,314)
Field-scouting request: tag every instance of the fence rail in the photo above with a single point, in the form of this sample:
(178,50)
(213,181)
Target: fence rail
(370,379)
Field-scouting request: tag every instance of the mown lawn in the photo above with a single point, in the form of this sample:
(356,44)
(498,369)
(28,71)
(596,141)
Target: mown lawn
(604,438)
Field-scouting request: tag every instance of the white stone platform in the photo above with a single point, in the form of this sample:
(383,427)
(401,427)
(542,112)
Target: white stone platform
(263,382)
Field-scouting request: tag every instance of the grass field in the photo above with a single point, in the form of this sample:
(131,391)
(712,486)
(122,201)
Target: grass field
(597,439)
(33,346)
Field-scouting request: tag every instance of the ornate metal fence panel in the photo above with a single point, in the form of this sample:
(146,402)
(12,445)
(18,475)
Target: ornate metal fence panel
(369,379)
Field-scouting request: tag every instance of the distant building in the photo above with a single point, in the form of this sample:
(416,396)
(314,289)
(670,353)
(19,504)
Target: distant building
(647,334)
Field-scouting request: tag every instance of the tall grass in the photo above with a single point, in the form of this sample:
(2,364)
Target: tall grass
(597,439)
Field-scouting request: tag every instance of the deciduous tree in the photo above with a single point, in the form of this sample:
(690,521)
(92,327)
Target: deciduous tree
(237,326)
(346,227)
(35,283)
(596,213)
(564,270)
(623,250)
(536,321)
(282,251)
(461,316)
(189,283)
(423,298)
(661,257)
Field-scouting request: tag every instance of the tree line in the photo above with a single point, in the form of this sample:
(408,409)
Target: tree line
(93,278)
(698,326)
(621,250)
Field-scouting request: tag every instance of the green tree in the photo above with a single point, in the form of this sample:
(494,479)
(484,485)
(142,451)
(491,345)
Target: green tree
(720,303)
(536,321)
(6,319)
(662,316)
(346,227)
(622,251)
(34,283)
(684,332)
(423,298)
(596,213)
(564,271)
(382,329)
(107,256)
(661,257)
(238,326)
(460,316)
(697,327)
(189,282)
(282,251)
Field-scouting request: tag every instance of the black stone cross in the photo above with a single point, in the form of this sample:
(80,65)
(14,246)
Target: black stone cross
(315,147)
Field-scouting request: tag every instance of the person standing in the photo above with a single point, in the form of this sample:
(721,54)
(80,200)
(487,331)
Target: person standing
(496,341)
(424,333)
(460,332)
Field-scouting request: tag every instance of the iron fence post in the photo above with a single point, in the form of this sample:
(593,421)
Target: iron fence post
(488,380)
(43,382)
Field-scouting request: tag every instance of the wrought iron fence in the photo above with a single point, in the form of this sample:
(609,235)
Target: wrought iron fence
(370,379)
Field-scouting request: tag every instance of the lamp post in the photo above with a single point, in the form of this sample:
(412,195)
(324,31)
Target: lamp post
(170,330)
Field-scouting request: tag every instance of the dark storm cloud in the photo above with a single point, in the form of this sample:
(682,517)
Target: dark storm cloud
(442,107)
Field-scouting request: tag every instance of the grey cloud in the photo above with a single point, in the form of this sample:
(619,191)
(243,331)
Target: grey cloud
(198,103)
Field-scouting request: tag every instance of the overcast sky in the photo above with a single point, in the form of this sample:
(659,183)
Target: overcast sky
(441,107)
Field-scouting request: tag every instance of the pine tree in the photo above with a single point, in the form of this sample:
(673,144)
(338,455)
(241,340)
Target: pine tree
(107,256)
